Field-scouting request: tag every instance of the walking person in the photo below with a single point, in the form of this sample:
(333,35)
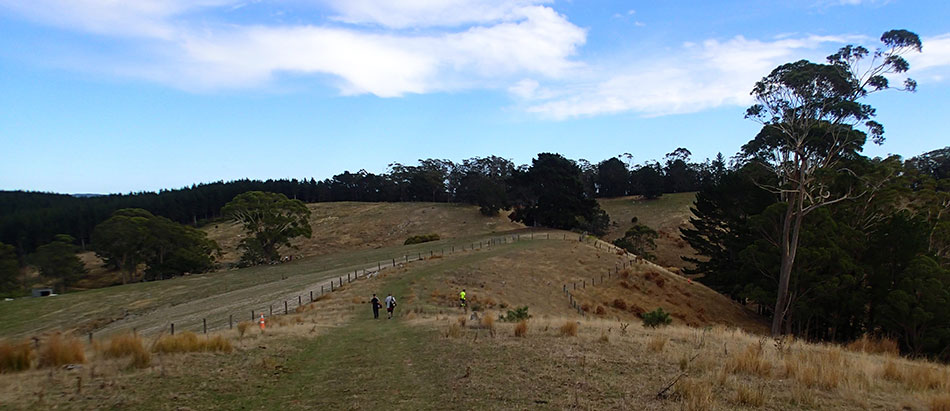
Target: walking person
(462,298)
(390,304)
(376,305)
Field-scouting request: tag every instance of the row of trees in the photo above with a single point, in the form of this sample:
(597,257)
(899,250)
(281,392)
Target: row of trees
(829,243)
(29,220)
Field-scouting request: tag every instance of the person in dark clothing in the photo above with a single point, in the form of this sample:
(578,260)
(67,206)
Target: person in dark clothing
(376,305)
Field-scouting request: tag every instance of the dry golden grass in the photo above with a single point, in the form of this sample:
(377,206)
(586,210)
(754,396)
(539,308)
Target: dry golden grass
(454,331)
(569,328)
(874,345)
(750,361)
(696,395)
(750,396)
(940,402)
(15,356)
(657,343)
(521,329)
(488,322)
(461,321)
(189,342)
(59,350)
(242,328)
(129,345)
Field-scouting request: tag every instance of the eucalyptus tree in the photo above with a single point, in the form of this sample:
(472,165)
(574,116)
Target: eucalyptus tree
(813,117)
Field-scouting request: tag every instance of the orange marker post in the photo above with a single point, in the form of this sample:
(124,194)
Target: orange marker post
(262,322)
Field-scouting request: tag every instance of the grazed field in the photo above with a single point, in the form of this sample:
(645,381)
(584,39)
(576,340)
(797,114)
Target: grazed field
(666,215)
(432,356)
(350,226)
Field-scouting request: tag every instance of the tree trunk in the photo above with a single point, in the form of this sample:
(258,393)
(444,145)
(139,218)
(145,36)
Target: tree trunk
(791,228)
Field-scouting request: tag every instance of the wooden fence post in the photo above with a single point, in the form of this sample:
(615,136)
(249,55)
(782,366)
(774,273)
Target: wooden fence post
(285,307)
(271,312)
(311,295)
(230,321)
(204,325)
(90,338)
(173,328)
(299,300)
(394,262)
(252,315)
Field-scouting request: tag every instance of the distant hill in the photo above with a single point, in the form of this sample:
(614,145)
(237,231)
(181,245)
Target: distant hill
(666,215)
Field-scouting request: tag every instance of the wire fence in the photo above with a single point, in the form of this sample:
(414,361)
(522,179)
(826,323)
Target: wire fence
(204,324)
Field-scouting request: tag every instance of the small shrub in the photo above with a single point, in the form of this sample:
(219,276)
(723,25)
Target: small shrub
(600,310)
(189,342)
(419,239)
(15,357)
(656,343)
(660,282)
(656,318)
(518,314)
(59,351)
(569,329)
(521,329)
(585,307)
(242,328)
(620,304)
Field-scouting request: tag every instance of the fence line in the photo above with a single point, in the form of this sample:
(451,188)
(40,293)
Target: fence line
(285,306)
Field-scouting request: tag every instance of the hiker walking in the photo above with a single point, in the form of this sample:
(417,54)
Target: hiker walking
(462,298)
(390,304)
(376,305)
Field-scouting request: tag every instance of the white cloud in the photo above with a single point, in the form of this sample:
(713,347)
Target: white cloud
(933,63)
(694,78)
(427,13)
(512,42)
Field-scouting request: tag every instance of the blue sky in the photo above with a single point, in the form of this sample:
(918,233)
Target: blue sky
(100,96)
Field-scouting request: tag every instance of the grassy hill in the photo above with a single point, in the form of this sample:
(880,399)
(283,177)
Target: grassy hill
(347,226)
(666,215)
(333,355)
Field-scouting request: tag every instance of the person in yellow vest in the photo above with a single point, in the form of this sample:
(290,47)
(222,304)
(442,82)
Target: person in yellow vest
(462,298)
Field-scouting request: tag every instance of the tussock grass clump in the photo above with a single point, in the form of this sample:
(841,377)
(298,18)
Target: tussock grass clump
(940,402)
(697,395)
(874,345)
(129,345)
(656,343)
(600,310)
(750,396)
(926,377)
(827,368)
(461,321)
(454,331)
(488,322)
(59,351)
(189,342)
(15,356)
(242,328)
(620,304)
(750,361)
(569,329)
(521,329)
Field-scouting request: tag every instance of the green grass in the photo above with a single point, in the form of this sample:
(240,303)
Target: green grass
(150,306)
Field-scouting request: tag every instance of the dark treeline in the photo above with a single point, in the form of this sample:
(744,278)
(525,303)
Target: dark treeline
(31,219)
(874,264)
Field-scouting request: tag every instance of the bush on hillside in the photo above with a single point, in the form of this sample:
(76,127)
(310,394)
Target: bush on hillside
(656,318)
(424,238)
(516,315)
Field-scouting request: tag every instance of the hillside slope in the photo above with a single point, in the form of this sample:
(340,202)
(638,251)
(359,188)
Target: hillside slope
(347,226)
(666,215)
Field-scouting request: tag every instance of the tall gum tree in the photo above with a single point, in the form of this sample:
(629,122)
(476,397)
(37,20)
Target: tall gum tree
(812,118)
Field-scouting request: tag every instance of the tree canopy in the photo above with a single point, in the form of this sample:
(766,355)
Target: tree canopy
(271,220)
